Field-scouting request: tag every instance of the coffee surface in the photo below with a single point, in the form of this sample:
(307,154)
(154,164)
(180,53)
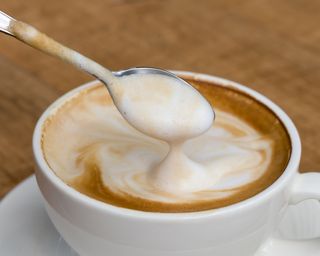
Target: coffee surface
(89,145)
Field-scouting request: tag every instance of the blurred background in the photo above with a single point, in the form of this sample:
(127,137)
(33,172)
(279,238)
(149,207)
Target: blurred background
(272,46)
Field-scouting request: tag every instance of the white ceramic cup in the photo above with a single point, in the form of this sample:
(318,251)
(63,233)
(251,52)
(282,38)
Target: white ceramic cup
(94,228)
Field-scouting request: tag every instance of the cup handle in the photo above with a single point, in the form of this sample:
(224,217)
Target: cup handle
(306,186)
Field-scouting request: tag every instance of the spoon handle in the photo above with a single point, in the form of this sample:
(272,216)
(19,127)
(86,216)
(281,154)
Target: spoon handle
(5,23)
(44,43)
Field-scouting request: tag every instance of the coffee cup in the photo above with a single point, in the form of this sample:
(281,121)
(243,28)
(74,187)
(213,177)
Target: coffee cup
(93,227)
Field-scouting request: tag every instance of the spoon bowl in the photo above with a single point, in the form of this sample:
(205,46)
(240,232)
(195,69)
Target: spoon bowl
(148,71)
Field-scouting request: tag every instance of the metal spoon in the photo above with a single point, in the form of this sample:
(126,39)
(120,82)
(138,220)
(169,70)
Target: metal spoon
(42,42)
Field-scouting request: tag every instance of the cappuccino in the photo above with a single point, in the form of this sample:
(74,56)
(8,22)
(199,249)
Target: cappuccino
(89,145)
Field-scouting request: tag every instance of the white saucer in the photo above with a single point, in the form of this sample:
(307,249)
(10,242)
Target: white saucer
(25,228)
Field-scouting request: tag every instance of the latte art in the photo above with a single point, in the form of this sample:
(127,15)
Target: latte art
(92,148)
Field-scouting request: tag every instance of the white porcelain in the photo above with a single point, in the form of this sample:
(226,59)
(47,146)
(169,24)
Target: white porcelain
(26,229)
(96,229)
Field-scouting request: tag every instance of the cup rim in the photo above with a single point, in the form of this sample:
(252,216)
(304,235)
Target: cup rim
(289,171)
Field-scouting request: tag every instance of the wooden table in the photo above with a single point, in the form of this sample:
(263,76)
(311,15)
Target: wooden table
(272,46)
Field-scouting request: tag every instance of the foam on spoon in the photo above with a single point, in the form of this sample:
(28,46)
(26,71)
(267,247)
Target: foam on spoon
(163,107)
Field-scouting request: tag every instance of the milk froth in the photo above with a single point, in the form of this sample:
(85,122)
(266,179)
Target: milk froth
(162,107)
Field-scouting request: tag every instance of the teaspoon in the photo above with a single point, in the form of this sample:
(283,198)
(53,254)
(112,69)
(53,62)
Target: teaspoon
(31,36)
